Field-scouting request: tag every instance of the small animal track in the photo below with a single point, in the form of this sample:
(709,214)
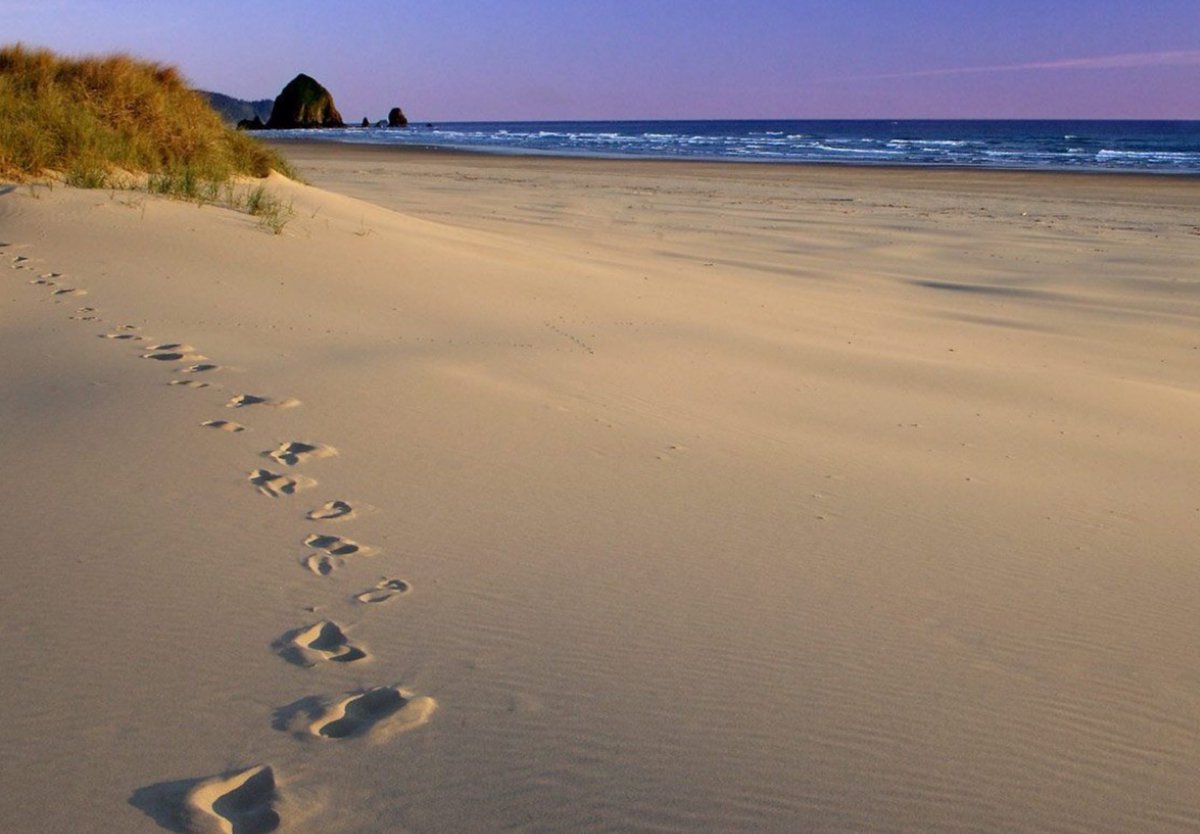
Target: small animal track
(296,451)
(331,511)
(274,485)
(381,711)
(309,645)
(241,802)
(384,591)
(220,425)
(244,400)
(569,336)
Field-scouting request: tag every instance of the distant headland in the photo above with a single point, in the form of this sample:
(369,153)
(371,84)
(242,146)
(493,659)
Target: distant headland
(303,103)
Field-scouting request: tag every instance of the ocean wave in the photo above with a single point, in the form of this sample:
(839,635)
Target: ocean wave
(936,143)
(1173,156)
(1155,147)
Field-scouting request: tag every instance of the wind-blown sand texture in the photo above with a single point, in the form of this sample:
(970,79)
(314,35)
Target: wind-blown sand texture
(731,498)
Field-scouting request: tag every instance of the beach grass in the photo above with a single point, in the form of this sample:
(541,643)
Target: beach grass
(111,121)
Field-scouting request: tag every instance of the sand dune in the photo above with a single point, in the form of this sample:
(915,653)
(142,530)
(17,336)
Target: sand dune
(736,498)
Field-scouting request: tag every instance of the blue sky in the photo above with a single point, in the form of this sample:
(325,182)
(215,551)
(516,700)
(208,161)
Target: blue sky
(609,59)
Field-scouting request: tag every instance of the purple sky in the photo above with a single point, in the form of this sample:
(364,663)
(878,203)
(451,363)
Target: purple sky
(448,60)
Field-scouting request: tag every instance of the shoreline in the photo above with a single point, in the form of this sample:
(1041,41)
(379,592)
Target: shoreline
(500,151)
(813,171)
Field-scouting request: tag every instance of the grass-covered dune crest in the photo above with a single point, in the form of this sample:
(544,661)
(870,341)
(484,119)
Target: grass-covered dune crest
(92,119)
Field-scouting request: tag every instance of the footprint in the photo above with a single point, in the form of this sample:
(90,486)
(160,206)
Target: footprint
(331,510)
(322,564)
(384,590)
(199,369)
(334,549)
(335,545)
(321,641)
(221,425)
(243,400)
(379,712)
(172,352)
(119,336)
(188,383)
(241,802)
(274,485)
(71,291)
(295,451)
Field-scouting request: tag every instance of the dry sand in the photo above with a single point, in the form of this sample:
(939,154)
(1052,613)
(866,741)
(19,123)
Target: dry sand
(564,496)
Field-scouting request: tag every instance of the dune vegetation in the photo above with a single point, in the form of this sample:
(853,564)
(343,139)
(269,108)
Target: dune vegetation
(116,121)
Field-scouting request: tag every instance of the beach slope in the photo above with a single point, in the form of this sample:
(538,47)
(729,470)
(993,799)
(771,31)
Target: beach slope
(550,495)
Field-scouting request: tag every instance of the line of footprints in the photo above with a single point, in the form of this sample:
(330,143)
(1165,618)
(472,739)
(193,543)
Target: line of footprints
(244,801)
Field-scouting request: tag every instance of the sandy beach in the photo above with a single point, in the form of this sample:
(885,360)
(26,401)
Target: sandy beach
(552,495)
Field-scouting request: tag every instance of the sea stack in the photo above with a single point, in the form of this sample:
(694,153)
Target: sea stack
(396,118)
(304,103)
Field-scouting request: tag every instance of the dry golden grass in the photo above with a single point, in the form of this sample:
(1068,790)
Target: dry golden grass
(89,118)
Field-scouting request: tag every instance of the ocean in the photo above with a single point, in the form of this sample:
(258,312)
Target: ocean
(1161,147)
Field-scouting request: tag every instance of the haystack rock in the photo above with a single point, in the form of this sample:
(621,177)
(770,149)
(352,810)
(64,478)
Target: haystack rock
(396,118)
(304,103)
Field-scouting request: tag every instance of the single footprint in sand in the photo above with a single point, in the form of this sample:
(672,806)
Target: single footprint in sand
(322,564)
(172,352)
(335,545)
(243,400)
(330,511)
(221,425)
(71,291)
(274,485)
(296,451)
(188,383)
(378,712)
(85,314)
(332,551)
(241,802)
(199,369)
(124,335)
(309,645)
(385,589)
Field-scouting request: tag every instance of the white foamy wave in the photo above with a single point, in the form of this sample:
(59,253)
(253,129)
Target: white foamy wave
(1168,148)
(1166,156)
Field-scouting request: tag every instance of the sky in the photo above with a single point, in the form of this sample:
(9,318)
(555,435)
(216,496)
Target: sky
(483,60)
